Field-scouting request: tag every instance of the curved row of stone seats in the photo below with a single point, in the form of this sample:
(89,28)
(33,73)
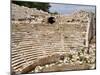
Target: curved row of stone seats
(31,47)
(29,51)
(66,67)
(37,43)
(19,63)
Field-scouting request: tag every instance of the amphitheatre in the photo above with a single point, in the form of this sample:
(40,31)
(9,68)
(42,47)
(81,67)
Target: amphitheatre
(38,46)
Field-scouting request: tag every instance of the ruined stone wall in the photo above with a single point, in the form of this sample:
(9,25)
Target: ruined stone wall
(22,14)
(33,37)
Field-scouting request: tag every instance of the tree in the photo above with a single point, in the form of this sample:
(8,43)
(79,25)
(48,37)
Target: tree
(38,5)
(54,13)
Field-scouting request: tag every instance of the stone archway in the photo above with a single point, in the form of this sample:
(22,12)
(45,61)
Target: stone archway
(51,20)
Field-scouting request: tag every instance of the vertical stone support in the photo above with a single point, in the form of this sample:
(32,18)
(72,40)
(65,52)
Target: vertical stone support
(89,33)
(62,41)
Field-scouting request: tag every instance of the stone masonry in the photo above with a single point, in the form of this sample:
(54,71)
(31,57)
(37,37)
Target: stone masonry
(34,39)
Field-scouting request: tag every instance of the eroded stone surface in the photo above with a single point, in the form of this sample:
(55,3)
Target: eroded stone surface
(34,41)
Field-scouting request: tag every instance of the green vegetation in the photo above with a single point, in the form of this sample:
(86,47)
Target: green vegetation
(54,13)
(38,5)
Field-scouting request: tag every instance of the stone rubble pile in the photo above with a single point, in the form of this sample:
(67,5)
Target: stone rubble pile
(81,14)
(24,14)
(79,57)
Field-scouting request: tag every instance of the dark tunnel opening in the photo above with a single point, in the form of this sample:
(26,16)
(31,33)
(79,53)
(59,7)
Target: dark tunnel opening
(51,20)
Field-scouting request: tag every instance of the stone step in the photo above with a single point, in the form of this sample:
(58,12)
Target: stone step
(17,68)
(14,53)
(32,55)
(66,67)
(18,63)
(16,60)
(14,56)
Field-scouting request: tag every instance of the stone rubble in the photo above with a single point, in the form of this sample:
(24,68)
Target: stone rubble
(33,37)
(83,58)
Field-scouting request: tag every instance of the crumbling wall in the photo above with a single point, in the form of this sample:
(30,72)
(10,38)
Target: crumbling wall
(33,37)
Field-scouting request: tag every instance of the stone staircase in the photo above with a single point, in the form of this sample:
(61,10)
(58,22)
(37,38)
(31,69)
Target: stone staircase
(35,44)
(46,40)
